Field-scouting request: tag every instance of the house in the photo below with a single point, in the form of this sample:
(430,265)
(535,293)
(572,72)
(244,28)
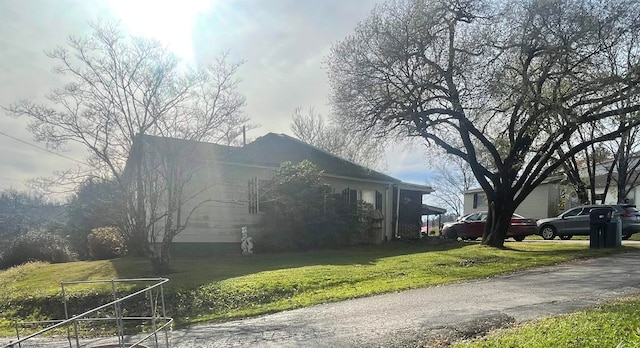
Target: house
(544,201)
(601,173)
(223,184)
(612,191)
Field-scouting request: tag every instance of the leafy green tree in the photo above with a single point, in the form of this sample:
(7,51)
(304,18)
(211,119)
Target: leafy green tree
(301,212)
(96,203)
(21,212)
(106,243)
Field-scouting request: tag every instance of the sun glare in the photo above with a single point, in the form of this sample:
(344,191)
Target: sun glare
(171,22)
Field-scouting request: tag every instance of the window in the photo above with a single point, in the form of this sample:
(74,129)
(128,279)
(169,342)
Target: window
(473,217)
(256,192)
(573,212)
(371,197)
(368,197)
(479,200)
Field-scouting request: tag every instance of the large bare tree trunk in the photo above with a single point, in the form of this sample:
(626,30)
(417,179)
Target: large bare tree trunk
(501,209)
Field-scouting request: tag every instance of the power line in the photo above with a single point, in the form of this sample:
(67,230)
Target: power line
(10,179)
(41,148)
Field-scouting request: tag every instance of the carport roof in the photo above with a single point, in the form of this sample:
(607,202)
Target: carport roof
(431,210)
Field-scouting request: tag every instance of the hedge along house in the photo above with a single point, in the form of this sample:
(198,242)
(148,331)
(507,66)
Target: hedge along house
(221,188)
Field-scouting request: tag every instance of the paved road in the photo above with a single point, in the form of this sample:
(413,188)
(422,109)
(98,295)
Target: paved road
(435,314)
(408,317)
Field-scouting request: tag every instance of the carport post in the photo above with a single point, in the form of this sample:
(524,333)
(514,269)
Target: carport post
(397,212)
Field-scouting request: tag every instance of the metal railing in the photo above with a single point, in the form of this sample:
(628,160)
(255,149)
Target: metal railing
(158,318)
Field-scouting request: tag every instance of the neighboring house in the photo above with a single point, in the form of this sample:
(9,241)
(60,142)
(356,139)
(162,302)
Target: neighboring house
(225,185)
(612,192)
(544,201)
(601,170)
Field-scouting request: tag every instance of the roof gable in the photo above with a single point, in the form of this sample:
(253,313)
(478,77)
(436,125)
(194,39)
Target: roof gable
(270,151)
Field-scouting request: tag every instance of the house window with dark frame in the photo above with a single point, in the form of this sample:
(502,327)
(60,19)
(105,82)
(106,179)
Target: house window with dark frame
(256,192)
(479,201)
(370,197)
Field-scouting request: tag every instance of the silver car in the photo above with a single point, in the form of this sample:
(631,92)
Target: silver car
(575,221)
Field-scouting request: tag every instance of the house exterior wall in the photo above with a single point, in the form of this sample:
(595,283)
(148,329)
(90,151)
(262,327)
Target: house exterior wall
(224,205)
(542,202)
(612,194)
(475,201)
(217,188)
(338,184)
(221,203)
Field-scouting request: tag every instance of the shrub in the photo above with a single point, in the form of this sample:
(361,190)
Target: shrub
(302,213)
(36,246)
(106,243)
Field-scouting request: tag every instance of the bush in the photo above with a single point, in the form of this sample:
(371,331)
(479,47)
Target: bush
(36,246)
(302,213)
(106,243)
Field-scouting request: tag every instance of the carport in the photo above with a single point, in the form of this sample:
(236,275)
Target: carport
(428,211)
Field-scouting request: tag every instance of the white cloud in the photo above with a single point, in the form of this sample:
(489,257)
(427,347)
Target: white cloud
(283,44)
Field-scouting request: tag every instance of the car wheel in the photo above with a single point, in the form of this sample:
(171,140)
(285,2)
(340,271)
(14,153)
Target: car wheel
(566,237)
(518,238)
(548,232)
(625,237)
(452,234)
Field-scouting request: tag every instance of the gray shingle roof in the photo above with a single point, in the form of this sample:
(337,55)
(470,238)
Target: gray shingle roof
(271,150)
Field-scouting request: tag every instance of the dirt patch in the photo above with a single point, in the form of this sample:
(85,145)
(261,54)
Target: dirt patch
(442,337)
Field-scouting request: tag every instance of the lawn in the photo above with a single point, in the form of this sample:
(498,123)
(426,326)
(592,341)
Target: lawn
(615,324)
(236,286)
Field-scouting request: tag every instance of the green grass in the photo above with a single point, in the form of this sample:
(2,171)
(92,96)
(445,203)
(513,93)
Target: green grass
(616,324)
(237,286)
(635,236)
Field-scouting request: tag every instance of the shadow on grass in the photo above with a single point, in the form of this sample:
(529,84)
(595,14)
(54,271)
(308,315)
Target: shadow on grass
(187,272)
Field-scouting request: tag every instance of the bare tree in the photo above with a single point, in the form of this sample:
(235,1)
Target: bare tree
(363,149)
(453,177)
(120,89)
(501,85)
(627,164)
(584,169)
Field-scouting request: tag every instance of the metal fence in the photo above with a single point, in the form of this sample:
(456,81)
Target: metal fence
(114,311)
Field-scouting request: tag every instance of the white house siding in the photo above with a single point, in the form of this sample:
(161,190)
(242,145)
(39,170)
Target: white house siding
(479,198)
(220,219)
(542,202)
(612,194)
(226,204)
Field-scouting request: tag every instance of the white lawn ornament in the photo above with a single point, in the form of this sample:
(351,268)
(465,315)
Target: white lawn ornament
(246,243)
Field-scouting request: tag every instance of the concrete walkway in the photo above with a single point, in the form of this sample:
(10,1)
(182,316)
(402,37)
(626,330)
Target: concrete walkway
(433,315)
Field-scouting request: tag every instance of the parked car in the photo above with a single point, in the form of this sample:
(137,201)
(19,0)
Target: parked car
(575,221)
(471,227)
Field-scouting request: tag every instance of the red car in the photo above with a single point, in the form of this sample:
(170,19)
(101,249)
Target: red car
(471,227)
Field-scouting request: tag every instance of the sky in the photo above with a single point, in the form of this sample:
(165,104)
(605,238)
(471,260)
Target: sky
(282,43)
